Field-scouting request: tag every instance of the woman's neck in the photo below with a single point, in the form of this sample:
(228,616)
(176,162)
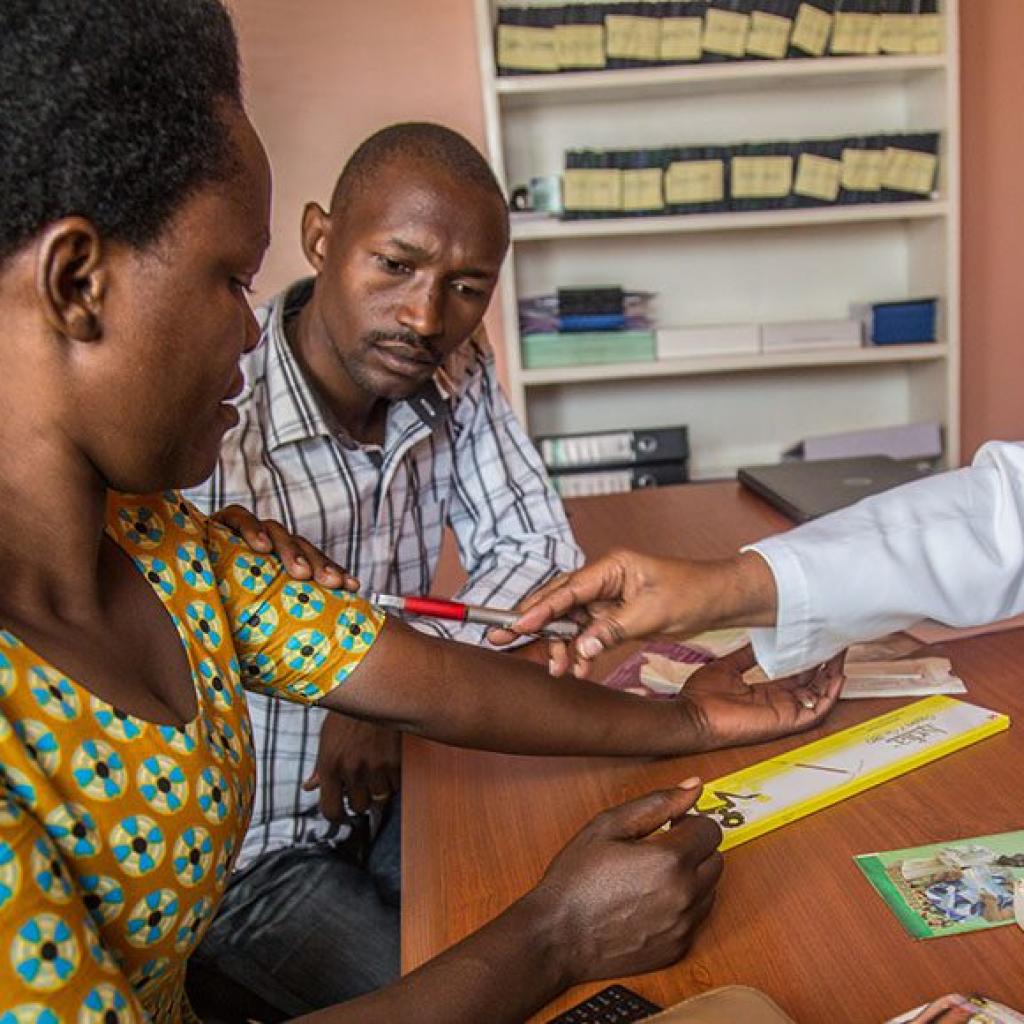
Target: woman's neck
(52,514)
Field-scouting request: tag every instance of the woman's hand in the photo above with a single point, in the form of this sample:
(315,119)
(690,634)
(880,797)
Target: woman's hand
(301,560)
(729,712)
(626,895)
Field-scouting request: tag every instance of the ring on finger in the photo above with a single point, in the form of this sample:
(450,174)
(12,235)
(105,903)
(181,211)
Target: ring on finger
(808,702)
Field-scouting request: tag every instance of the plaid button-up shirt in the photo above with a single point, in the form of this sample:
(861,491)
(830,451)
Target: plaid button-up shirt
(453,455)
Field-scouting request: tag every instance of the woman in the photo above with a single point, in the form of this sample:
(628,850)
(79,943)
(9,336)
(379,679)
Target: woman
(133,218)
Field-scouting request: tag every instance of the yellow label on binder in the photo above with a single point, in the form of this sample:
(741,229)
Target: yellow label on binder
(641,189)
(580,46)
(811,29)
(695,181)
(725,32)
(523,48)
(855,33)
(862,169)
(681,38)
(761,177)
(769,35)
(897,33)
(909,171)
(818,177)
(597,188)
(765,796)
(928,33)
(631,37)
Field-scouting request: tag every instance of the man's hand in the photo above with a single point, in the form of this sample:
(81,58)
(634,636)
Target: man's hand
(301,560)
(626,595)
(730,712)
(626,901)
(355,759)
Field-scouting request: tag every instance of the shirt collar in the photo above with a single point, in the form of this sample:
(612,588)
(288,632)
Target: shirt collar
(292,412)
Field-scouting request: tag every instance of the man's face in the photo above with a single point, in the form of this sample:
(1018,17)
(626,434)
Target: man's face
(176,321)
(409,268)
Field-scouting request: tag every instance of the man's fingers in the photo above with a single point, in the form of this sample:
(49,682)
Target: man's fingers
(302,561)
(241,521)
(379,785)
(332,799)
(359,798)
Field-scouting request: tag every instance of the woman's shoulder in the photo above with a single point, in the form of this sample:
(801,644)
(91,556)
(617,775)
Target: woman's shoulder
(149,521)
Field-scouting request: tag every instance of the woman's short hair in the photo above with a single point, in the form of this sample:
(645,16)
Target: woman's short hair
(111,109)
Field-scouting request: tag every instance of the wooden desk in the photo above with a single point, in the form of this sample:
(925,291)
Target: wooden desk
(794,917)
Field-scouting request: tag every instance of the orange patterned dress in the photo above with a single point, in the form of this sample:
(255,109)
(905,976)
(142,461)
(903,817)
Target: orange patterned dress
(117,835)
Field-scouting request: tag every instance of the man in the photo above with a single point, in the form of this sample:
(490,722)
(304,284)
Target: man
(949,547)
(371,420)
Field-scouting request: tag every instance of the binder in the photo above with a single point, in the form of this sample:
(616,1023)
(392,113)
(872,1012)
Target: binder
(863,159)
(613,448)
(682,30)
(911,167)
(726,27)
(632,33)
(524,40)
(812,28)
(771,25)
(618,481)
(580,38)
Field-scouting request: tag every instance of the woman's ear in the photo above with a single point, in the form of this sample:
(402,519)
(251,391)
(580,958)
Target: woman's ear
(71,278)
(316,225)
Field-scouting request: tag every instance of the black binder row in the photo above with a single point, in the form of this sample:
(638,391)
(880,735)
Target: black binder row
(606,462)
(540,53)
(722,161)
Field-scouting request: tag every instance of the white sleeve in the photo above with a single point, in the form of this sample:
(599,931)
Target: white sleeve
(950,548)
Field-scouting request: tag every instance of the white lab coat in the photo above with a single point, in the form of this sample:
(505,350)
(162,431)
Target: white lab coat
(949,547)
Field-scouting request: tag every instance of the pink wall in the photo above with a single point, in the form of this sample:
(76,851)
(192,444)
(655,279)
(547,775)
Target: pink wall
(992,98)
(321,75)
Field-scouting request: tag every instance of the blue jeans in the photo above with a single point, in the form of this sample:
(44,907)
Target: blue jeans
(300,929)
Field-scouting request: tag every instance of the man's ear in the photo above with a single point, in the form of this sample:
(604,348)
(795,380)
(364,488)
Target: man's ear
(316,226)
(71,278)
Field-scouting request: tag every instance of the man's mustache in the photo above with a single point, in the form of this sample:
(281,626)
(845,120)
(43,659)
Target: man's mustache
(410,338)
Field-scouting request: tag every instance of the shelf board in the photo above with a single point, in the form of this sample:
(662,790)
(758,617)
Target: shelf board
(552,229)
(867,356)
(600,86)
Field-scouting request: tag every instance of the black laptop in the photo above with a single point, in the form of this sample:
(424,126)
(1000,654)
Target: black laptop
(806,490)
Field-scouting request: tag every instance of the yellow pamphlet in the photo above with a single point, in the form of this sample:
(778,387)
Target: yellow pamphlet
(765,796)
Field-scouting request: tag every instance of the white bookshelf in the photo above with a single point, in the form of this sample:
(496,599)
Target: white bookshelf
(759,266)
